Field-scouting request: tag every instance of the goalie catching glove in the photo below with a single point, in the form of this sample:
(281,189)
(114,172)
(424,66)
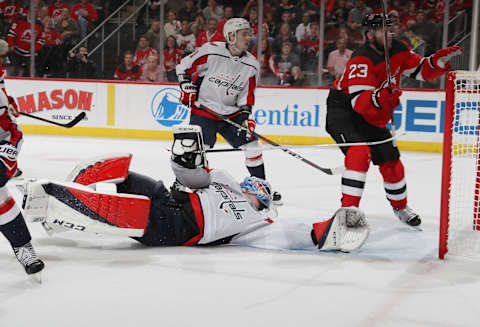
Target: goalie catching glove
(187,149)
(346,231)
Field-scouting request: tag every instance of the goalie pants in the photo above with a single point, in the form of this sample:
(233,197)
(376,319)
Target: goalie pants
(170,222)
(347,126)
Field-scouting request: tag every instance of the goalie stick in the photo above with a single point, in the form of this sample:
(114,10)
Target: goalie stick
(387,63)
(70,124)
(328,171)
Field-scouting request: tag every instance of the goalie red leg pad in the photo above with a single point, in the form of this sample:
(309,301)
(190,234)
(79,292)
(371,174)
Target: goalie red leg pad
(357,162)
(320,232)
(108,170)
(115,210)
(394,182)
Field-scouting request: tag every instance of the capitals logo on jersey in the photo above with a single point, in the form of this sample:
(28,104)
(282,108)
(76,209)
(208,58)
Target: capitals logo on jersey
(167,109)
(229,82)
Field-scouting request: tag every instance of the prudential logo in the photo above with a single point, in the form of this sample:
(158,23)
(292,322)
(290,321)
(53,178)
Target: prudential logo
(167,109)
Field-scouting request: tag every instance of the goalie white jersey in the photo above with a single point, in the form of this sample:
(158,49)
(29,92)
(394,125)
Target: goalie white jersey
(226,211)
(225,81)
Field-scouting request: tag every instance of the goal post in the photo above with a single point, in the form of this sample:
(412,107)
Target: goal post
(460,190)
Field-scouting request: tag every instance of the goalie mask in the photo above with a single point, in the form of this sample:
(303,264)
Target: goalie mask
(260,188)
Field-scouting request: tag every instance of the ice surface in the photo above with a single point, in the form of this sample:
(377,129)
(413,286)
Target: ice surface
(395,280)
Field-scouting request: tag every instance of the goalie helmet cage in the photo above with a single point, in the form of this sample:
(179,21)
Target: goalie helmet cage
(460,193)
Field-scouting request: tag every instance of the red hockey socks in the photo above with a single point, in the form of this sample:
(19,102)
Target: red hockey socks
(357,162)
(394,182)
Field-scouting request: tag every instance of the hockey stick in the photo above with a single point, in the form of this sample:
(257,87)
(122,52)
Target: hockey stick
(314,147)
(70,124)
(328,171)
(387,62)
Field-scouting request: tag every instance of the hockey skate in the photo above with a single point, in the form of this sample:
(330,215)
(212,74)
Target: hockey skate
(28,258)
(408,216)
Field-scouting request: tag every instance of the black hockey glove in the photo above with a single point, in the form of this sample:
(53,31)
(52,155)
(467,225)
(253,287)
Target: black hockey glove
(247,121)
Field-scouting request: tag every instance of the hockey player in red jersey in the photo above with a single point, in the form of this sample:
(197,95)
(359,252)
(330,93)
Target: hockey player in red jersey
(215,209)
(12,223)
(222,76)
(360,105)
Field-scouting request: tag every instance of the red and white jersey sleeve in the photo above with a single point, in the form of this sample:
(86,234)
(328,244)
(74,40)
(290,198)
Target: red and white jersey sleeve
(226,211)
(366,71)
(225,81)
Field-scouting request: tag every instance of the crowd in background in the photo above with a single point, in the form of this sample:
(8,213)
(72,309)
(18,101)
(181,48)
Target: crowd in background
(290,35)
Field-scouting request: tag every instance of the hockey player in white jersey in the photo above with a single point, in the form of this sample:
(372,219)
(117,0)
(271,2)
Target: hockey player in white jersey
(216,210)
(12,223)
(222,76)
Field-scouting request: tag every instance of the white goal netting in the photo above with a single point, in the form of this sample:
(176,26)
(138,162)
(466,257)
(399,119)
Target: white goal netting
(460,232)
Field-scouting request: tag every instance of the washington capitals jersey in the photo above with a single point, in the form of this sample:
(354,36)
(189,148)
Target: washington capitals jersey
(366,70)
(225,210)
(225,81)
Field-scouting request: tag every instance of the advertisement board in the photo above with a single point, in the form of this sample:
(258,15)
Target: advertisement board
(148,110)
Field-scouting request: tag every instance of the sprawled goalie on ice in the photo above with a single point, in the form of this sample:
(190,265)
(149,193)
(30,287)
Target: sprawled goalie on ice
(204,206)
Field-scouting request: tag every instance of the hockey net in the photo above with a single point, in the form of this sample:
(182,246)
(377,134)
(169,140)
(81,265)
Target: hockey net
(460,199)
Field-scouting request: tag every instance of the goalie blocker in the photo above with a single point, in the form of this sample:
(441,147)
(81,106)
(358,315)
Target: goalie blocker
(145,210)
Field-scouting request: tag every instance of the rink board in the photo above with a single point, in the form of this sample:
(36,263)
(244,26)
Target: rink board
(149,110)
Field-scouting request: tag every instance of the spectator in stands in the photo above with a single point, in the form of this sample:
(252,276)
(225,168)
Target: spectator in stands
(153,34)
(39,5)
(19,37)
(172,26)
(427,30)
(305,7)
(210,35)
(356,15)
(152,71)
(268,76)
(398,33)
(188,12)
(283,63)
(303,29)
(227,14)
(50,58)
(285,35)
(270,22)
(337,59)
(267,8)
(186,39)
(41,13)
(10,10)
(339,15)
(128,71)
(86,15)
(55,10)
(68,29)
(213,11)
(296,77)
(284,5)
(288,18)
(310,47)
(79,66)
(143,51)
(171,58)
(410,17)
